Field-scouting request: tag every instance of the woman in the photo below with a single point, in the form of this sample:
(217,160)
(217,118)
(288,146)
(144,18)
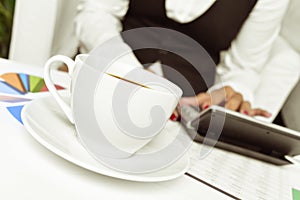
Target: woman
(238,35)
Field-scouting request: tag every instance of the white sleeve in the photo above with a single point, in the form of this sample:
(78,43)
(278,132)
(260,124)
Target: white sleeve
(242,63)
(278,78)
(100,20)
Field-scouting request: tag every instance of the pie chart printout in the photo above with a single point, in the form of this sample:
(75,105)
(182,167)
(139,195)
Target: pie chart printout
(15,86)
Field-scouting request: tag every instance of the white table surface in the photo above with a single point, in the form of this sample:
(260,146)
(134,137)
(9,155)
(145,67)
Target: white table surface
(30,171)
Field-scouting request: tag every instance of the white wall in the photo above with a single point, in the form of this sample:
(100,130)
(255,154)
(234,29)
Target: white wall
(64,40)
(42,28)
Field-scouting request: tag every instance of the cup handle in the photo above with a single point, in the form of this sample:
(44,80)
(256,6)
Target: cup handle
(49,83)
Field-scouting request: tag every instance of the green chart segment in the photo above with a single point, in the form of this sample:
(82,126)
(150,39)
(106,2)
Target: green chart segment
(19,83)
(296,194)
(36,84)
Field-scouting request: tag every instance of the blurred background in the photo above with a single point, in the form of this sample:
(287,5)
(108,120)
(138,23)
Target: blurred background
(6,20)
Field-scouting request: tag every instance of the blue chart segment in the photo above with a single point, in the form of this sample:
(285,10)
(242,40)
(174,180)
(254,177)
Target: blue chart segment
(7,89)
(25,81)
(16,112)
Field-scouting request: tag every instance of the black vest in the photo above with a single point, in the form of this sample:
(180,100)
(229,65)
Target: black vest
(214,30)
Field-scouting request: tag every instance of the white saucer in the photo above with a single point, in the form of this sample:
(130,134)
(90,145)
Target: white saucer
(49,126)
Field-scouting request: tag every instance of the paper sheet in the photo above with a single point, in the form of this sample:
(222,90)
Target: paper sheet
(240,176)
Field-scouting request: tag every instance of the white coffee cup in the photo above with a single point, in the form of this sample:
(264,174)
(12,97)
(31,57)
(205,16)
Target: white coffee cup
(122,105)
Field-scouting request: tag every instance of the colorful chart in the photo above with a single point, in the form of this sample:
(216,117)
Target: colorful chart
(14,83)
(17,85)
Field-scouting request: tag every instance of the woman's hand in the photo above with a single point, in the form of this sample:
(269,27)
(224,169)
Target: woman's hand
(227,97)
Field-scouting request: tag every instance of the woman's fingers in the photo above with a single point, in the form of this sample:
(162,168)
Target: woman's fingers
(245,108)
(234,102)
(229,92)
(175,115)
(260,112)
(194,101)
(188,101)
(218,96)
(206,104)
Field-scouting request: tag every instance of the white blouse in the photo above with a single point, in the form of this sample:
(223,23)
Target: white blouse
(241,65)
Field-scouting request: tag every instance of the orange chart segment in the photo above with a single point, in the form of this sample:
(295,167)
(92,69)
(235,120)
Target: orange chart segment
(14,80)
